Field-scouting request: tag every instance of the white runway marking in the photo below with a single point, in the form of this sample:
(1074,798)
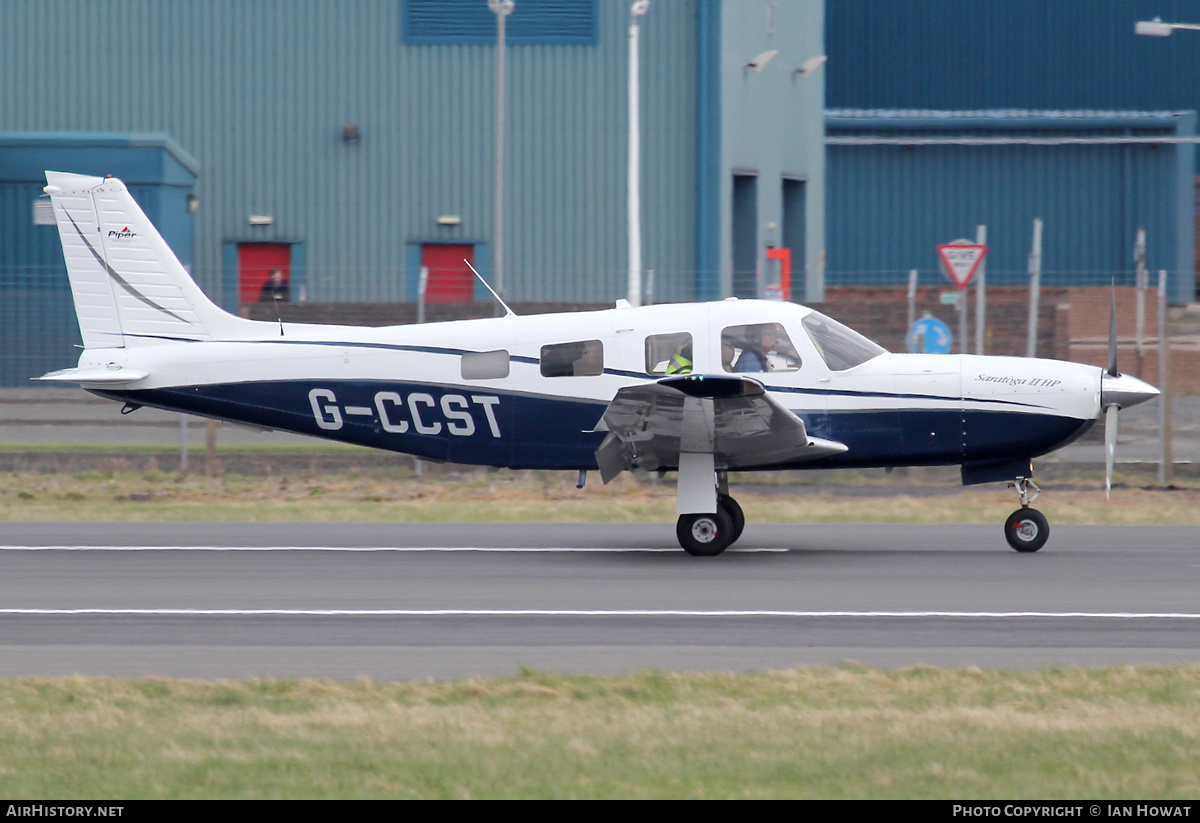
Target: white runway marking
(595,613)
(520,549)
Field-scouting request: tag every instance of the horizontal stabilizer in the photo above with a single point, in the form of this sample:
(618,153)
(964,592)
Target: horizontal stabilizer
(109,377)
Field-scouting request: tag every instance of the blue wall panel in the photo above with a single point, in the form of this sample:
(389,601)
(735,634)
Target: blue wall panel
(1021,54)
(889,205)
(38,329)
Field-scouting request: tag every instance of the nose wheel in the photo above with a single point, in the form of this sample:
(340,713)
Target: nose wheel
(1026,529)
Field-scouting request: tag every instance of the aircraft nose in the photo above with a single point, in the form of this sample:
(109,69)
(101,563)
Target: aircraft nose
(1124,391)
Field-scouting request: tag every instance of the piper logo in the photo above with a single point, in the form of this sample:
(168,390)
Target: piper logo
(123,234)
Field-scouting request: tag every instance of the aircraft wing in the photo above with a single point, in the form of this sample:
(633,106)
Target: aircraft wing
(732,418)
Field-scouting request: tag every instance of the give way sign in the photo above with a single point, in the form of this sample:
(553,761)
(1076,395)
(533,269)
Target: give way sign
(960,259)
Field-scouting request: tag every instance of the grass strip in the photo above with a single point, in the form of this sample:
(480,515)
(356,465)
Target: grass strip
(829,732)
(398,497)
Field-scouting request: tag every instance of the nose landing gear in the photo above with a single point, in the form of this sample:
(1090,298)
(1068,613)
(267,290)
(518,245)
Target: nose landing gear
(1026,529)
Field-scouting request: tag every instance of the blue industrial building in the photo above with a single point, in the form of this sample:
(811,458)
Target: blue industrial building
(1010,54)
(1029,70)
(351,144)
(902,182)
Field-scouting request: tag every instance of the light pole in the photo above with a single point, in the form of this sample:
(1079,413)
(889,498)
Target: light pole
(635,197)
(1157,28)
(500,8)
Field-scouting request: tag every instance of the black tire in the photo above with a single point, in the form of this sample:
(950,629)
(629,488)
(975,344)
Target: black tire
(704,535)
(737,518)
(1026,529)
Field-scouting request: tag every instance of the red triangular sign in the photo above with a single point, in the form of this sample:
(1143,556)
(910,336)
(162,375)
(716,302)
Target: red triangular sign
(961,260)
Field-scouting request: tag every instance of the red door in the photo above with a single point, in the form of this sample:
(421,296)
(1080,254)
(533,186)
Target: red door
(450,279)
(255,262)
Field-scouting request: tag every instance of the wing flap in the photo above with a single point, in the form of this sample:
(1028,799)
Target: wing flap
(732,418)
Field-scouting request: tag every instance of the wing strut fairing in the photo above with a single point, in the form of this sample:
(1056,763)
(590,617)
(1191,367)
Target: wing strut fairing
(731,418)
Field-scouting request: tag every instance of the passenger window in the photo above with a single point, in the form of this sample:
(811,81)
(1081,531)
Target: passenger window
(484,365)
(582,358)
(669,353)
(758,347)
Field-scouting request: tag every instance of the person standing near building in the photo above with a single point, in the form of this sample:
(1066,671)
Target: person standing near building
(276,288)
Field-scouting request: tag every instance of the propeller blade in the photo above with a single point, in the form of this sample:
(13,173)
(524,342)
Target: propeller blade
(1112,333)
(1110,448)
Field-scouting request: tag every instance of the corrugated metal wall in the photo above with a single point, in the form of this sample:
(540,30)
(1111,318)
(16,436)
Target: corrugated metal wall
(1024,54)
(889,206)
(33,306)
(258,93)
(771,130)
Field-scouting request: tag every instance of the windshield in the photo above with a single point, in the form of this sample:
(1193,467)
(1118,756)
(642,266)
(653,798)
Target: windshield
(840,346)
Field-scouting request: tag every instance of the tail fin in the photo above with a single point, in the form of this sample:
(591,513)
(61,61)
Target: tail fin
(126,281)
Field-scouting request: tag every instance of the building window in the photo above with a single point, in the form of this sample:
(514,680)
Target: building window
(532,22)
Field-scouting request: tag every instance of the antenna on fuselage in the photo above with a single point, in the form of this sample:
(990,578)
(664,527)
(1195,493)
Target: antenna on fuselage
(508,312)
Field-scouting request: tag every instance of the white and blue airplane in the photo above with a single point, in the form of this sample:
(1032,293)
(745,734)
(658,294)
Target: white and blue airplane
(702,389)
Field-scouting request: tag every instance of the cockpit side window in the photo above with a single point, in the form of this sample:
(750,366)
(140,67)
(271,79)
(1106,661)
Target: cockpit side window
(841,347)
(758,347)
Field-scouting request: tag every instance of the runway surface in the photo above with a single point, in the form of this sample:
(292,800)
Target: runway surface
(398,601)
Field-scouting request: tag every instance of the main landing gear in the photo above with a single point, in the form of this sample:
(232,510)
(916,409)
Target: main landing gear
(1026,529)
(707,534)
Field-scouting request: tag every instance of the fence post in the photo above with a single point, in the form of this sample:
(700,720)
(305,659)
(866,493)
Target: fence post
(912,302)
(183,444)
(1166,458)
(980,293)
(422,286)
(1139,258)
(1035,288)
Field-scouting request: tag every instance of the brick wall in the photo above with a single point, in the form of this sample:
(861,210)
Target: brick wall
(395,314)
(881,313)
(1072,325)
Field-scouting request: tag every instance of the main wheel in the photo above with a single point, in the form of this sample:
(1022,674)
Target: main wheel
(1026,529)
(704,535)
(737,519)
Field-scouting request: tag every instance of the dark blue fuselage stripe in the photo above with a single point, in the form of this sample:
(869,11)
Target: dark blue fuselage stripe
(480,426)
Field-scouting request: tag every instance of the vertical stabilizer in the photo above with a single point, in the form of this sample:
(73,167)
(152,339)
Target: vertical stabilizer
(126,281)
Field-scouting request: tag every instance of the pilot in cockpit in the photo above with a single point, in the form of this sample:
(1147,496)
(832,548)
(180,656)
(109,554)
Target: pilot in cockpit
(761,339)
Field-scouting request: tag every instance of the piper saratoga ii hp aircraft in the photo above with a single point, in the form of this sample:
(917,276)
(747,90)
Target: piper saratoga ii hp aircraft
(703,389)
